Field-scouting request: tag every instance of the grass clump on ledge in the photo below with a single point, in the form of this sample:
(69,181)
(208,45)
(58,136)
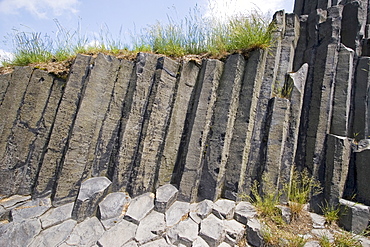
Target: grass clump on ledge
(195,34)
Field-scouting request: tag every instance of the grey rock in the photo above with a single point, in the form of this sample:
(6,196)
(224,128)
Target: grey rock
(178,211)
(312,244)
(200,242)
(54,235)
(186,86)
(113,205)
(244,211)
(362,176)
(86,233)
(192,161)
(14,201)
(318,221)
(253,233)
(338,156)
(161,242)
(140,207)
(355,217)
(212,230)
(234,232)
(118,235)
(108,224)
(224,209)
(164,83)
(91,193)
(365,241)
(185,232)
(56,215)
(218,144)
(200,210)
(83,140)
(319,233)
(31,209)
(165,197)
(19,233)
(150,228)
(63,125)
(223,244)
(286,213)
(130,244)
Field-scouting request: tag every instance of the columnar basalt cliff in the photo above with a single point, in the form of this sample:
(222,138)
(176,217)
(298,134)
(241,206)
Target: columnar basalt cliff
(210,128)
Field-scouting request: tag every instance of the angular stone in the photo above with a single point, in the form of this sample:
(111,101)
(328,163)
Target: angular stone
(342,93)
(14,201)
(185,232)
(19,233)
(54,235)
(4,84)
(186,86)
(338,154)
(224,209)
(201,210)
(355,217)
(63,124)
(165,197)
(92,191)
(318,221)
(130,244)
(253,232)
(178,211)
(79,156)
(150,228)
(200,242)
(234,232)
(56,215)
(223,120)
(86,233)
(140,207)
(223,244)
(244,211)
(286,213)
(188,172)
(212,230)
(133,120)
(113,205)
(31,209)
(243,125)
(161,242)
(120,234)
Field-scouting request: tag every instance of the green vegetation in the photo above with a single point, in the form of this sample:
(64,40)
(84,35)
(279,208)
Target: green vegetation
(194,35)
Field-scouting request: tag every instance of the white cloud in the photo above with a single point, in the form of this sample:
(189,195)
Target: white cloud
(5,56)
(40,8)
(223,8)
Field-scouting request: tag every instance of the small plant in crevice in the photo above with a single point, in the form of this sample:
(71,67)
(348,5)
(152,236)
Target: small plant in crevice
(346,239)
(299,190)
(330,212)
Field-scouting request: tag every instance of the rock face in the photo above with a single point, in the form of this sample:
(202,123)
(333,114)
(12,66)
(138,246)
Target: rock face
(204,129)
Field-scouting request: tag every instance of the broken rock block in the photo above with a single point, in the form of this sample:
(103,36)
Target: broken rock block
(178,211)
(224,209)
(31,209)
(140,207)
(113,205)
(165,197)
(212,230)
(86,233)
(119,234)
(234,232)
(92,191)
(355,217)
(201,210)
(253,232)
(244,211)
(185,232)
(150,228)
(56,215)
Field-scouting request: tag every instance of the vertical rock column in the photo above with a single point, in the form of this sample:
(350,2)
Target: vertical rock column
(243,125)
(30,132)
(63,125)
(190,167)
(146,167)
(337,165)
(132,125)
(85,134)
(362,157)
(361,119)
(4,84)
(186,87)
(276,136)
(254,148)
(217,151)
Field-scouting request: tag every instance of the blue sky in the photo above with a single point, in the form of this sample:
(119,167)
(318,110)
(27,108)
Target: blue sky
(93,16)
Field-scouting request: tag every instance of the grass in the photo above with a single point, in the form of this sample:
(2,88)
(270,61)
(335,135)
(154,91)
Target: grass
(195,34)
